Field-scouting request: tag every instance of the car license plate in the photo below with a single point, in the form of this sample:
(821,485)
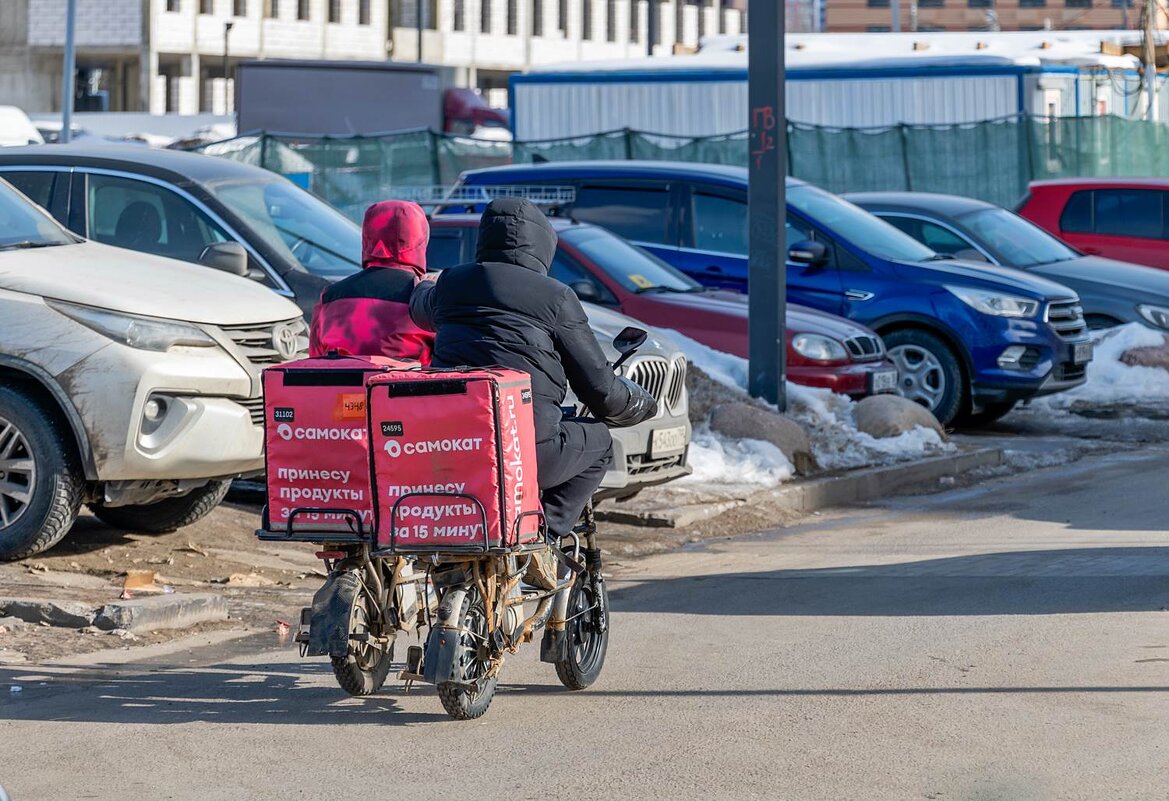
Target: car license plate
(664,441)
(882,381)
(1082,353)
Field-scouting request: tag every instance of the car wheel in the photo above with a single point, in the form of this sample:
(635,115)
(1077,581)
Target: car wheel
(929,372)
(166,515)
(40,482)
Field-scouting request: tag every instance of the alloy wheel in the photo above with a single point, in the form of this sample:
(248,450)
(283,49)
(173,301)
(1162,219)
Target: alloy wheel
(18,473)
(921,377)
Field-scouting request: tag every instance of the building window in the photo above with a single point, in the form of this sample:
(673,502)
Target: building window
(586,20)
(513,22)
(459,16)
(611,21)
(1032,3)
(877,29)
(661,12)
(206,6)
(878,3)
(984,3)
(239,8)
(938,4)
(362,12)
(1122,3)
(634,21)
(485,16)
(271,9)
(562,16)
(334,10)
(537,17)
(173,5)
(302,9)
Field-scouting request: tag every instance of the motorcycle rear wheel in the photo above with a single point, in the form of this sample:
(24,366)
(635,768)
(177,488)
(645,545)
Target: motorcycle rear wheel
(463,702)
(364,669)
(587,644)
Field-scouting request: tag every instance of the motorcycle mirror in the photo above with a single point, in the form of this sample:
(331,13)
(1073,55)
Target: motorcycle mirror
(227,256)
(627,342)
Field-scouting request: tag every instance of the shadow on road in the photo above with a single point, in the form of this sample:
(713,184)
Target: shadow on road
(1045,582)
(223,693)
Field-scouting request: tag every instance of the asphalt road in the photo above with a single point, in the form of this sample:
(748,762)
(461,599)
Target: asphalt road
(1009,641)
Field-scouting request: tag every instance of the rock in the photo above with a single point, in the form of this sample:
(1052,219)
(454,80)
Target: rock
(70,614)
(1152,356)
(246,580)
(747,421)
(177,611)
(705,393)
(891,415)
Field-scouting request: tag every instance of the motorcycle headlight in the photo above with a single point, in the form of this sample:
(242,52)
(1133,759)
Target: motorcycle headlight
(144,333)
(1156,315)
(817,347)
(995,303)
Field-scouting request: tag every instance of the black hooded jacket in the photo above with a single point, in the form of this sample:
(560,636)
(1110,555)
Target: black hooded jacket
(505,310)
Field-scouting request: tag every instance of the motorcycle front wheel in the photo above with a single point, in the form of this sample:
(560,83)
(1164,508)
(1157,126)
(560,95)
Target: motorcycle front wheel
(588,640)
(364,668)
(470,699)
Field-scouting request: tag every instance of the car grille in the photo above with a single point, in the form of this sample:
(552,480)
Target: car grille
(255,407)
(642,466)
(1066,318)
(865,348)
(1071,372)
(258,346)
(665,380)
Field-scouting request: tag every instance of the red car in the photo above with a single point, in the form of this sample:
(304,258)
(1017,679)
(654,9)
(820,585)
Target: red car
(1126,219)
(822,350)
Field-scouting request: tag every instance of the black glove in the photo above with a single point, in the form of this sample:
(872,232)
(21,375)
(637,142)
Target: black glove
(641,407)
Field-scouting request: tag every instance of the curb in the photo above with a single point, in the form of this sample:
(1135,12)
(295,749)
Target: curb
(161,612)
(68,614)
(852,487)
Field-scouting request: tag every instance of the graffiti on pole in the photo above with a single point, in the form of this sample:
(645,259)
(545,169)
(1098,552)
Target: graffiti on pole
(762,133)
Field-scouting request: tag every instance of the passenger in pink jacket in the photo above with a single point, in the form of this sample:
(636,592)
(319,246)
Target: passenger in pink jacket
(368,313)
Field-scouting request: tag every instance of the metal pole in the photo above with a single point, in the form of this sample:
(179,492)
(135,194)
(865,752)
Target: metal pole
(766,213)
(227,26)
(1150,58)
(418,19)
(651,26)
(895,11)
(69,76)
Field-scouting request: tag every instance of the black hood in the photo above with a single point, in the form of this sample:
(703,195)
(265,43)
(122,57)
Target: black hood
(513,231)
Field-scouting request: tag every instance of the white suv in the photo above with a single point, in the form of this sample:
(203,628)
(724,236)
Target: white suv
(127,381)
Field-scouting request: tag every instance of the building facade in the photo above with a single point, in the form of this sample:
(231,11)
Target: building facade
(177,56)
(848,16)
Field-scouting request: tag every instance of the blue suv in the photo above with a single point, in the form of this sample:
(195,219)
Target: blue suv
(970,341)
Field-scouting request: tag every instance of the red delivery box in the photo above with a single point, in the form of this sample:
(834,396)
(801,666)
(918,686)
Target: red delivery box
(454,459)
(317,447)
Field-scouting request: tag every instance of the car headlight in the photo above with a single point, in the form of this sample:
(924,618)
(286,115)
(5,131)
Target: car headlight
(995,303)
(144,333)
(819,348)
(1156,315)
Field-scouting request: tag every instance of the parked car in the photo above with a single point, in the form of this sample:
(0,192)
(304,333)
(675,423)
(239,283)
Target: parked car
(822,350)
(127,382)
(1111,292)
(969,341)
(174,204)
(1121,218)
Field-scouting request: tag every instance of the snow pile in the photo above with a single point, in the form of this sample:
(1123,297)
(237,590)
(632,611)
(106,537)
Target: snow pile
(716,459)
(828,418)
(1111,381)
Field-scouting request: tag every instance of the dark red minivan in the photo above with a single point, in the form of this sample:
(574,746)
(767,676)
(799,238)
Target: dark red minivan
(1126,219)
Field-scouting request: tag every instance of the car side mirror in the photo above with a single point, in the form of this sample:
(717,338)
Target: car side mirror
(227,256)
(970,254)
(586,291)
(808,253)
(627,342)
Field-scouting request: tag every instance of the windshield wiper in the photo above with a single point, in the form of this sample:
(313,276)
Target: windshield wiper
(27,244)
(941,257)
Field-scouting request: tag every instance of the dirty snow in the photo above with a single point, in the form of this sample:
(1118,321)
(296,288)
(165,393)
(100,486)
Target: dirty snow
(1111,381)
(828,417)
(716,459)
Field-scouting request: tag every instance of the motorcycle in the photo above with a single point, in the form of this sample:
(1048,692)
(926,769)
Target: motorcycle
(482,600)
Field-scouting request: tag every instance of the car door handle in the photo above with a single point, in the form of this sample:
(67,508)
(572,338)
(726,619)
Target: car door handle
(858,294)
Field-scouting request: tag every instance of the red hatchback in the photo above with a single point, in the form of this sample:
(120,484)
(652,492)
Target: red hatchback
(822,350)
(1126,219)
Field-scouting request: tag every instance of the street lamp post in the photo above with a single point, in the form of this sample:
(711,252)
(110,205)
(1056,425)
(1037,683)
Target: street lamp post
(418,20)
(227,26)
(69,77)
(766,212)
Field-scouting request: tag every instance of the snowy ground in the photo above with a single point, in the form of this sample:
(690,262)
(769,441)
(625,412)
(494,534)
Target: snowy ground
(828,417)
(1111,382)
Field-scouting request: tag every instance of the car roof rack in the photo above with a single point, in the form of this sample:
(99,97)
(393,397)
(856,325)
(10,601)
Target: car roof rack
(550,199)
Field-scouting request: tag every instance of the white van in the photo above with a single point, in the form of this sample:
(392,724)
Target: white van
(128,382)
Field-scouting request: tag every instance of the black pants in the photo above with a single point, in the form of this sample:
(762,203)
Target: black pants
(570,467)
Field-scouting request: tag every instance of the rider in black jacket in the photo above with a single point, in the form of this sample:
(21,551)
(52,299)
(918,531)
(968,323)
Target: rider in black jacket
(505,310)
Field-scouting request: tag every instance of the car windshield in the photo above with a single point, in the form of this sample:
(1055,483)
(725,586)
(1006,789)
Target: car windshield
(869,233)
(24,225)
(1016,241)
(296,224)
(633,268)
